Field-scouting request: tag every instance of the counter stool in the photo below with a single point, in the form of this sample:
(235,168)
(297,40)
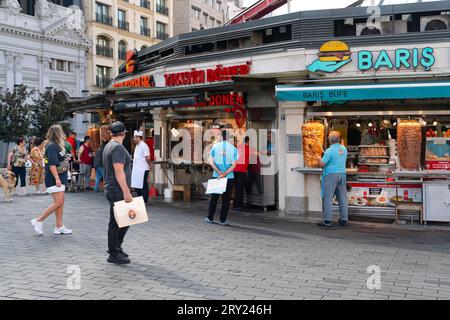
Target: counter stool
(413,209)
(184,188)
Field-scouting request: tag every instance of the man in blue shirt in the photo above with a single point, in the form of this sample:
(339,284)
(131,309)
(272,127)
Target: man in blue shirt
(334,180)
(223,158)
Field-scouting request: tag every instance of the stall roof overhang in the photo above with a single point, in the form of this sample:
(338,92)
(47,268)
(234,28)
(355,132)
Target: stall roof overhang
(87,104)
(164,91)
(365,91)
(272,76)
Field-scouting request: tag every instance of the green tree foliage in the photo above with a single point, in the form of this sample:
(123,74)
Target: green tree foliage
(15,107)
(47,110)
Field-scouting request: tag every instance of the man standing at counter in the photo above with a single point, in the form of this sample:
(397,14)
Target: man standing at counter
(334,181)
(223,159)
(141,159)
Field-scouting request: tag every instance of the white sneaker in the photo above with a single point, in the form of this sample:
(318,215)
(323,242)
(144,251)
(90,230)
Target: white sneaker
(62,230)
(38,227)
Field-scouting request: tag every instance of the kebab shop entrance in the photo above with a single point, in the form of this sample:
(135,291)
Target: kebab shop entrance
(398,141)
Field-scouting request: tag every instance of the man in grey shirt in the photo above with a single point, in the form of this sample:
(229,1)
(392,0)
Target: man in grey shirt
(117,164)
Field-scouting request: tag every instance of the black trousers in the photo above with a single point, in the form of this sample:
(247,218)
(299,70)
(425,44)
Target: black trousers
(226,197)
(20,172)
(240,180)
(144,191)
(115,234)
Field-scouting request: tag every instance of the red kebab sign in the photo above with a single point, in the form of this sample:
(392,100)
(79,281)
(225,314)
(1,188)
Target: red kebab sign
(218,74)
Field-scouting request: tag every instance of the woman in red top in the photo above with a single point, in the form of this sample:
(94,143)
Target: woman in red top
(86,158)
(240,174)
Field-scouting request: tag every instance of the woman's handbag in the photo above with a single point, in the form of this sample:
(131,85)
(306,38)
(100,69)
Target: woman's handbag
(63,167)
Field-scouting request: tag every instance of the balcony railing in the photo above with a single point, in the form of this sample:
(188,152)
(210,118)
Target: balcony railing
(123,25)
(145,32)
(145,4)
(104,51)
(102,81)
(162,35)
(162,9)
(101,18)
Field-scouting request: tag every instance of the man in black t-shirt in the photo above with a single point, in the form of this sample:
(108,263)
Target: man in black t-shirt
(117,165)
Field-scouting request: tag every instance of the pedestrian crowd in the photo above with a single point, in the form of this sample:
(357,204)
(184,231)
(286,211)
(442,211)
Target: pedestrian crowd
(54,160)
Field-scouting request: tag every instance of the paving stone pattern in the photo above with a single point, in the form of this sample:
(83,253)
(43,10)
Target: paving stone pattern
(177,256)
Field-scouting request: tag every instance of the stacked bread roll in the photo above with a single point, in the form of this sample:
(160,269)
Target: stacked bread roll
(313,134)
(409,144)
(373,151)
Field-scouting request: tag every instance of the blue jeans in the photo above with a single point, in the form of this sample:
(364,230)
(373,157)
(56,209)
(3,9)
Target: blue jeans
(98,177)
(335,184)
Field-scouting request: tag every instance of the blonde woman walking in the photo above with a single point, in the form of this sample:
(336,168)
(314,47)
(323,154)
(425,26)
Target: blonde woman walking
(56,167)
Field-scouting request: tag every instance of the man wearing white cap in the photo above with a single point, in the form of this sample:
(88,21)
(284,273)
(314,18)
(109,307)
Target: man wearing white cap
(141,159)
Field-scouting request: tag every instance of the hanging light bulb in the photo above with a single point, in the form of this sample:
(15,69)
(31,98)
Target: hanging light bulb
(394,122)
(435,122)
(358,124)
(370,124)
(424,123)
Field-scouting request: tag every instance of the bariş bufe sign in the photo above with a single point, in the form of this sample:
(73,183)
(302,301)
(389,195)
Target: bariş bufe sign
(217,74)
(335,54)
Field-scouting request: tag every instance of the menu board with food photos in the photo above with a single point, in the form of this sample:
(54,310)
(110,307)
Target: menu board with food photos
(383,195)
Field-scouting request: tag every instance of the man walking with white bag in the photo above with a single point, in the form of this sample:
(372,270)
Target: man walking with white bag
(223,159)
(117,165)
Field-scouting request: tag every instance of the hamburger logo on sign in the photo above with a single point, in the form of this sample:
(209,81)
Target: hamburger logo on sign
(332,56)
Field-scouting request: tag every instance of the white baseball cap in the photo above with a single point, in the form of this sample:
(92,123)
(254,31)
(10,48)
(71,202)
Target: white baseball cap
(138,133)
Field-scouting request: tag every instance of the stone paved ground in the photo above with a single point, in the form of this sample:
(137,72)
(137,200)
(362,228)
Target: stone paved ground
(177,256)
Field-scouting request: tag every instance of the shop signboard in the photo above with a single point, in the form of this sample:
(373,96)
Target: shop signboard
(383,195)
(148,104)
(375,91)
(335,54)
(217,74)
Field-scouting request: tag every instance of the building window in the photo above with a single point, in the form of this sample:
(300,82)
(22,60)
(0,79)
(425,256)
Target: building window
(205,19)
(103,47)
(122,20)
(219,23)
(213,22)
(210,3)
(161,31)
(145,31)
(71,66)
(122,50)
(145,4)
(161,7)
(195,13)
(219,5)
(103,76)
(102,14)
(60,65)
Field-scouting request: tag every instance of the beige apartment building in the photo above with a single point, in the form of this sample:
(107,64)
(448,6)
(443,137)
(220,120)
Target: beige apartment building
(116,26)
(193,15)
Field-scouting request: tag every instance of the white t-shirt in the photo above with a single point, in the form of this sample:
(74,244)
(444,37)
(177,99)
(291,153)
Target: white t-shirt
(140,152)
